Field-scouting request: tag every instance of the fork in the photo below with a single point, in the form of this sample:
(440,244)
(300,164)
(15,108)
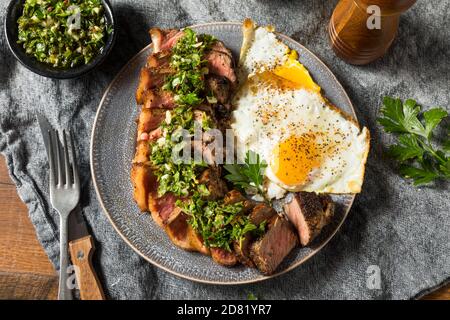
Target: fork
(64,197)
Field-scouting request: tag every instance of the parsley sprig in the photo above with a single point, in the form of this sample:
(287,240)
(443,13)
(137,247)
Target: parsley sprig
(415,151)
(248,176)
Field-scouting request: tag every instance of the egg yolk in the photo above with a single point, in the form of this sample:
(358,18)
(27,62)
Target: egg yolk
(294,158)
(294,71)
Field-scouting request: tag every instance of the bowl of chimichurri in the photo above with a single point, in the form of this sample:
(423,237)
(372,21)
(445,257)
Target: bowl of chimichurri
(60,38)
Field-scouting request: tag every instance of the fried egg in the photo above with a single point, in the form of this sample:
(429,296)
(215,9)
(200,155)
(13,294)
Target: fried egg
(307,143)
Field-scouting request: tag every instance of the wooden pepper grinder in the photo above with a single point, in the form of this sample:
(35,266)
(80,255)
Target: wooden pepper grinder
(363,30)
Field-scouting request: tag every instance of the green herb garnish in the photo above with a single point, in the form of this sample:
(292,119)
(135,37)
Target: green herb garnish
(415,151)
(248,176)
(47,31)
(174,176)
(218,224)
(188,83)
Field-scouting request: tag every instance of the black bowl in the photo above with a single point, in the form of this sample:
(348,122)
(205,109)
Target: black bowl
(13,13)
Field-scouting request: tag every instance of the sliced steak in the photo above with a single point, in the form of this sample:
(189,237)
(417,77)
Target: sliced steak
(220,87)
(158,99)
(224,257)
(163,209)
(261,212)
(216,186)
(242,250)
(149,79)
(141,176)
(164,39)
(309,213)
(158,60)
(142,153)
(207,149)
(201,152)
(269,251)
(171,39)
(220,62)
(234,196)
(222,112)
(144,85)
(183,236)
(149,119)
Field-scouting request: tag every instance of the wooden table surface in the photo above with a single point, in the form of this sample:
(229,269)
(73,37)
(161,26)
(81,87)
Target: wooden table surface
(25,271)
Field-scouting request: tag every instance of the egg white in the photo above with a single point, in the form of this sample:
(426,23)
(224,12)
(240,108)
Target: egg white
(266,115)
(264,53)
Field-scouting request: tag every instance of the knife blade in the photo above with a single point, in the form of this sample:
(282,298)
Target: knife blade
(81,243)
(45,128)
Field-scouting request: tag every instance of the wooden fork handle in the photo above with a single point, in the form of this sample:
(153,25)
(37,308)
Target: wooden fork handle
(81,251)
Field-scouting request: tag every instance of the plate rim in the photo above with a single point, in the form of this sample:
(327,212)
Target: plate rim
(184,276)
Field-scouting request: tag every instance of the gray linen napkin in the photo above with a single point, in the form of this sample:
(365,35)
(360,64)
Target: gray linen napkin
(394,228)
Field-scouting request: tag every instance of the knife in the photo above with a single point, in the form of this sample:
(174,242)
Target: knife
(81,243)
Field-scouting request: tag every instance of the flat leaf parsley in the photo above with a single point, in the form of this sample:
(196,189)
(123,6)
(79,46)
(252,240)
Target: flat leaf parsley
(418,157)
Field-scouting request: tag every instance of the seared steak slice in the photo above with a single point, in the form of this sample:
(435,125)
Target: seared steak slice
(183,236)
(223,112)
(141,176)
(144,85)
(216,186)
(150,78)
(155,98)
(149,119)
(163,209)
(171,39)
(242,250)
(142,153)
(157,60)
(220,62)
(261,212)
(270,250)
(223,257)
(200,151)
(163,40)
(234,196)
(219,87)
(309,213)
(221,80)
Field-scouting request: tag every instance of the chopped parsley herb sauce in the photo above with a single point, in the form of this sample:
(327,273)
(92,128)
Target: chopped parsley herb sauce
(218,224)
(49,32)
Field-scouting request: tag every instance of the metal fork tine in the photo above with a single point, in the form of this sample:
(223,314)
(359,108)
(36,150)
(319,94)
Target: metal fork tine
(59,163)
(51,159)
(64,195)
(66,160)
(76,179)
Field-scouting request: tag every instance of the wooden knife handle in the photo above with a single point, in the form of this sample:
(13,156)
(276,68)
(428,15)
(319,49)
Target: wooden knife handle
(81,251)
